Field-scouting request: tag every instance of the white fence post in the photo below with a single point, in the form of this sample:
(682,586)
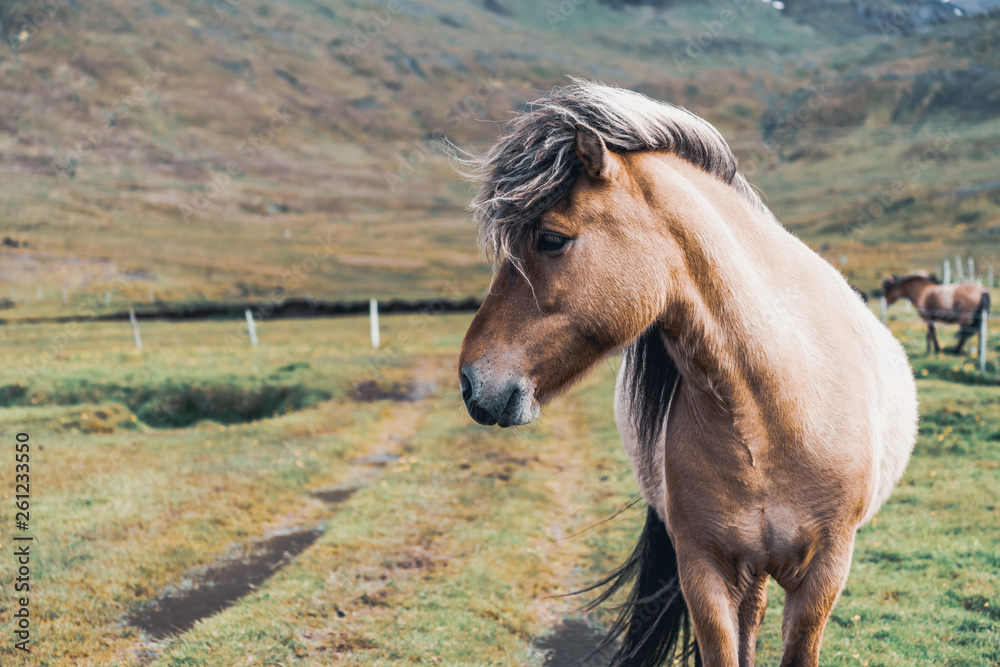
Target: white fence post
(983,335)
(373,316)
(989,276)
(251,328)
(958,269)
(947,273)
(883,307)
(135,329)
(972,269)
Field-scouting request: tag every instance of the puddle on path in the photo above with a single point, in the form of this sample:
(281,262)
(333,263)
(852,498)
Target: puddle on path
(335,495)
(369,390)
(571,643)
(221,584)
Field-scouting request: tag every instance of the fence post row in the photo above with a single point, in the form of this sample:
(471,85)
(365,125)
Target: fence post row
(966,271)
(375,329)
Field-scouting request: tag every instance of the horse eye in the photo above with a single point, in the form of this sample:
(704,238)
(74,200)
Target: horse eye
(551,242)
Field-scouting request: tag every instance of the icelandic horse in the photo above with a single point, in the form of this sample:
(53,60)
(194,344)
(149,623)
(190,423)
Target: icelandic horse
(964,304)
(766,411)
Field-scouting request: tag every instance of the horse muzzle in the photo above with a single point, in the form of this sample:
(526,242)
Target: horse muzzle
(507,401)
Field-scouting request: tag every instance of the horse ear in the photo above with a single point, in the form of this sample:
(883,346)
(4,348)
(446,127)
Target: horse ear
(594,154)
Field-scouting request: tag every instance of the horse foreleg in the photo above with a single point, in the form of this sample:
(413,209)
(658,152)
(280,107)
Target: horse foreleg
(809,603)
(708,594)
(963,335)
(932,338)
(751,615)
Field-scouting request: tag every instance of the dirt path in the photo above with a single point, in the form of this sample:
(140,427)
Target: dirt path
(247,566)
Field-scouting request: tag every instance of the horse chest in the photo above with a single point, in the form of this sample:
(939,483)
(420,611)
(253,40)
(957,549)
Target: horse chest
(777,538)
(763,513)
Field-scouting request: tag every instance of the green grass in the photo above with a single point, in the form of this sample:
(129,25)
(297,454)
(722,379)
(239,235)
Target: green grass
(149,466)
(450,555)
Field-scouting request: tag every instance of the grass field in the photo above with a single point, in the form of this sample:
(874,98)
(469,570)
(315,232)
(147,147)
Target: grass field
(184,152)
(445,555)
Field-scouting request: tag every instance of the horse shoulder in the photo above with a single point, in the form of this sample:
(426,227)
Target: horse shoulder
(936,303)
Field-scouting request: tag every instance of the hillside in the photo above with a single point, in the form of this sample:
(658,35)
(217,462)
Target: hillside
(192,151)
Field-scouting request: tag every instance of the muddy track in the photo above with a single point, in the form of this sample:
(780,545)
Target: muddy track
(572,643)
(572,485)
(213,588)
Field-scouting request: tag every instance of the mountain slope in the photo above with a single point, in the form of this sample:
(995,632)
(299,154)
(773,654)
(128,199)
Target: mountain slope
(248,149)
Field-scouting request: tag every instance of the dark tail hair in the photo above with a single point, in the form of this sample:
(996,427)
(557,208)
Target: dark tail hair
(653,622)
(984,308)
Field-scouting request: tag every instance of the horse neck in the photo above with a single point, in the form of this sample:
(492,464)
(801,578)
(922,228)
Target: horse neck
(733,326)
(914,288)
(728,341)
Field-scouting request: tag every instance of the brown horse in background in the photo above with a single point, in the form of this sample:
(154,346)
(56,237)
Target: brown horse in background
(961,303)
(766,411)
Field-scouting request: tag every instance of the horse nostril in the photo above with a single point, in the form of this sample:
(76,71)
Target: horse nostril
(466,384)
(505,418)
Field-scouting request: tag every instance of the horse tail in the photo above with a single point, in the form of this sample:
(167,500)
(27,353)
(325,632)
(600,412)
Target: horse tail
(981,310)
(653,623)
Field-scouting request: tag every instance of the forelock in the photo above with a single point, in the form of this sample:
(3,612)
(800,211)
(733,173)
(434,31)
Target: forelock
(534,164)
